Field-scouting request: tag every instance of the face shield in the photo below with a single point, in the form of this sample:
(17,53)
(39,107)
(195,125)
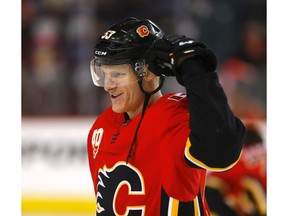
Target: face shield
(116,75)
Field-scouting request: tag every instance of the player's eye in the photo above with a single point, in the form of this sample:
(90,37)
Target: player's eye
(117,74)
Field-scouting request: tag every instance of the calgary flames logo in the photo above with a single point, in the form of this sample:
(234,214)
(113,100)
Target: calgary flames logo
(115,185)
(143,31)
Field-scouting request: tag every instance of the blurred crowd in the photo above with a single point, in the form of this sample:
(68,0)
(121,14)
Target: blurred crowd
(58,39)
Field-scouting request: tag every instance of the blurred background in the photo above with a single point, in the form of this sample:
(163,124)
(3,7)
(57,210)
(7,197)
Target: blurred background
(60,102)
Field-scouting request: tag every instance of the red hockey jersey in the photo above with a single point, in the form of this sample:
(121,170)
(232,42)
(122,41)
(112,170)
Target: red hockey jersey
(156,180)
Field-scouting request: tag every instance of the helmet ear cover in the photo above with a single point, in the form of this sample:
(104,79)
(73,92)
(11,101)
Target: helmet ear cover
(139,68)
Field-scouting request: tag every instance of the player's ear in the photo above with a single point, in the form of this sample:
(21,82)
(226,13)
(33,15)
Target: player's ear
(149,75)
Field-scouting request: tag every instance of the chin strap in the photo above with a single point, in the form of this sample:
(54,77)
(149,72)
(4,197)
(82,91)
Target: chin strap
(145,105)
(161,82)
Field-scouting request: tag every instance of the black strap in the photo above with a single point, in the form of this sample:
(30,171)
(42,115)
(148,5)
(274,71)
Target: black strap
(145,105)
(147,97)
(140,80)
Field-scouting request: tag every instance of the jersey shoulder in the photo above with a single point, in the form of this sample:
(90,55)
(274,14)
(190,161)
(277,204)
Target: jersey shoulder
(171,108)
(176,97)
(174,100)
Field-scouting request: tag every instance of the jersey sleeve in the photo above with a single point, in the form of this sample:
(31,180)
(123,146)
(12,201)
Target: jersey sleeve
(216,136)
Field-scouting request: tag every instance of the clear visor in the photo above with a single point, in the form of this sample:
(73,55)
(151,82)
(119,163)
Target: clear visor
(112,75)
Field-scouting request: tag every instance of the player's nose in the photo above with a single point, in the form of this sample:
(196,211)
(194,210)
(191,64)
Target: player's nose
(109,84)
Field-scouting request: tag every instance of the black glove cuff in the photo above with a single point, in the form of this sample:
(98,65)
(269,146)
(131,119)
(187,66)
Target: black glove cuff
(189,69)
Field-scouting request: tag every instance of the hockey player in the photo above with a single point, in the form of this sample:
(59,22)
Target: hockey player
(148,152)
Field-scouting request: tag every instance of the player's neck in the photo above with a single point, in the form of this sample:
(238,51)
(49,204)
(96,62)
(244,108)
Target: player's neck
(153,99)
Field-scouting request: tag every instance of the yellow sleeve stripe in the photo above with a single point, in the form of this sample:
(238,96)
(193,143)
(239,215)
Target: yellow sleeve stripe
(203,165)
(196,207)
(173,207)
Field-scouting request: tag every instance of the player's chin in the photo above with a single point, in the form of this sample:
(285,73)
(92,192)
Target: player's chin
(118,108)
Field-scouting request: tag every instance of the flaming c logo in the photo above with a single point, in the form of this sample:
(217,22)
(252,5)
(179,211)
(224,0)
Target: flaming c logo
(116,183)
(143,31)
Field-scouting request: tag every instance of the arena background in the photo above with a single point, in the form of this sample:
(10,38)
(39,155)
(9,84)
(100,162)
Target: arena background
(59,102)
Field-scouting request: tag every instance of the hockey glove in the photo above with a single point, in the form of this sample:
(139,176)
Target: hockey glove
(172,50)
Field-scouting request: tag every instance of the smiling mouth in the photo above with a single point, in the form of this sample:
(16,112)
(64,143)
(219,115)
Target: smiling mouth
(114,96)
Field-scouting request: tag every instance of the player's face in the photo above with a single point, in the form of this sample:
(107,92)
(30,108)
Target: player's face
(122,86)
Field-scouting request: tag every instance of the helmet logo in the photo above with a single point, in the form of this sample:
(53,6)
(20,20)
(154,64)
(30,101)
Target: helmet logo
(108,34)
(143,31)
(100,53)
